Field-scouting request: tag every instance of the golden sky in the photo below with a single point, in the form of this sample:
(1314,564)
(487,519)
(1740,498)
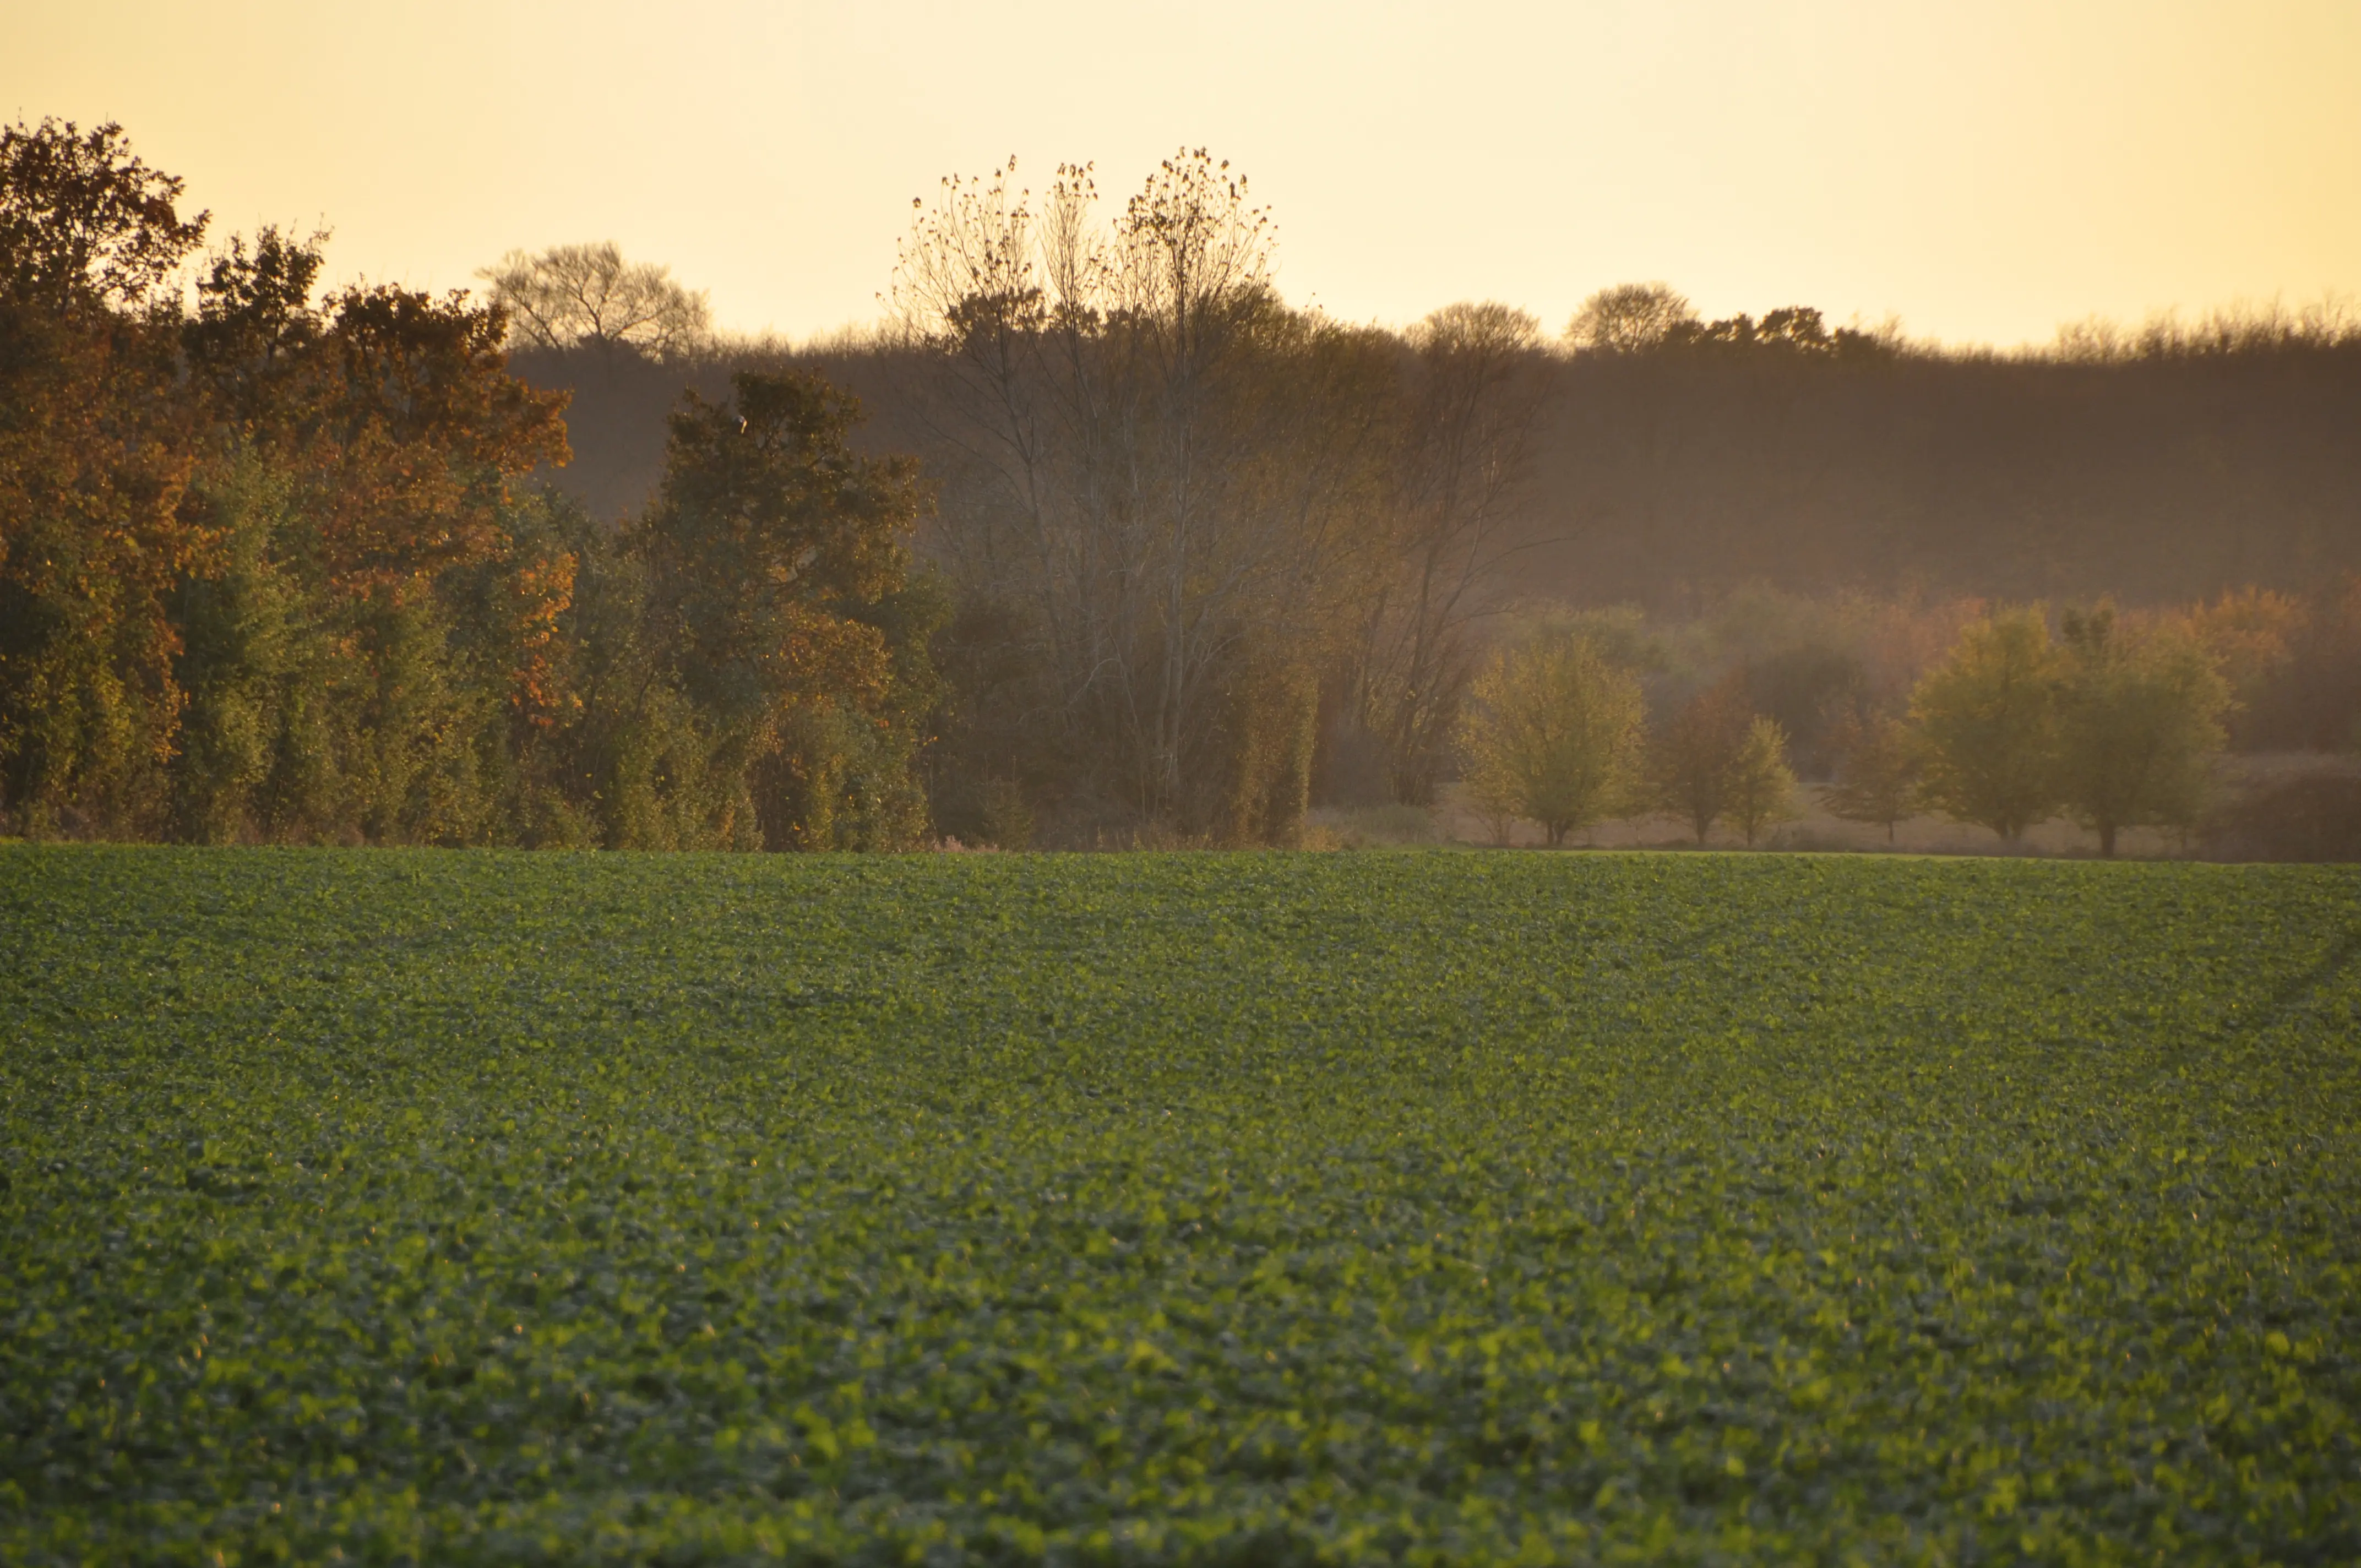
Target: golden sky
(1984,171)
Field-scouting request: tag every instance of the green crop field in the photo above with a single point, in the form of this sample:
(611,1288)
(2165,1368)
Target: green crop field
(1438,1207)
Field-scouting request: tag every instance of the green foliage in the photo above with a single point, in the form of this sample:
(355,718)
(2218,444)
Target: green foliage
(1550,734)
(2140,724)
(1190,1209)
(779,589)
(1989,717)
(251,654)
(1761,788)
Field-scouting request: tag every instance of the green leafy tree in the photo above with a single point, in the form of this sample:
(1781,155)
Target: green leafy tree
(1761,787)
(1877,773)
(250,655)
(1550,734)
(1989,718)
(2140,722)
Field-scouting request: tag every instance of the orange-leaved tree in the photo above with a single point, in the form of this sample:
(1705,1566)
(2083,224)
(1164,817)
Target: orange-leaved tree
(95,453)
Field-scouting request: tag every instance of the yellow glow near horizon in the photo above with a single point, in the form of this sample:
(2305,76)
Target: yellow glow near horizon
(1983,171)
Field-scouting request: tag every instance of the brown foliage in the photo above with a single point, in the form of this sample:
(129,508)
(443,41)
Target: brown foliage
(96,452)
(1691,757)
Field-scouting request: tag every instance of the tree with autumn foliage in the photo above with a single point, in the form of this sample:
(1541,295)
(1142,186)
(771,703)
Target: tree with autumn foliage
(779,587)
(232,539)
(1878,764)
(96,452)
(1553,735)
(1759,788)
(362,457)
(276,565)
(1692,758)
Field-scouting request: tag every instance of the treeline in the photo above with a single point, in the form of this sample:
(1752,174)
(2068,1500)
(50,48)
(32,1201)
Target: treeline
(2005,719)
(1129,550)
(270,569)
(2159,466)
(1673,460)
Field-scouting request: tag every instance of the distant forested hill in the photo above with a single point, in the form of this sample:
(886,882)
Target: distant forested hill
(1666,478)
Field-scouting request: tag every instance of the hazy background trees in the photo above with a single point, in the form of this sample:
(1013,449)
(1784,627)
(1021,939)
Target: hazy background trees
(1989,718)
(1629,318)
(2140,713)
(1998,715)
(1471,387)
(1758,788)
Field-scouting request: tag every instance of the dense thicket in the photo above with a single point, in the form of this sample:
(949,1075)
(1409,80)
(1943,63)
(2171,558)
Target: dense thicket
(270,569)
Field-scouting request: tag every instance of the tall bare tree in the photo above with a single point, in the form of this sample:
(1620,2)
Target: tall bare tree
(1476,382)
(1155,464)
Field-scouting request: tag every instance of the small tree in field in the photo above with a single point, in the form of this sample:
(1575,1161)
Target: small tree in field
(1549,735)
(1689,765)
(1761,787)
(1989,717)
(2140,720)
(1877,773)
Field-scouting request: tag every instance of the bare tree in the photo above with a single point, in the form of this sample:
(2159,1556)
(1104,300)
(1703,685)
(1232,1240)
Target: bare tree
(588,296)
(1477,382)
(1152,459)
(1629,318)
